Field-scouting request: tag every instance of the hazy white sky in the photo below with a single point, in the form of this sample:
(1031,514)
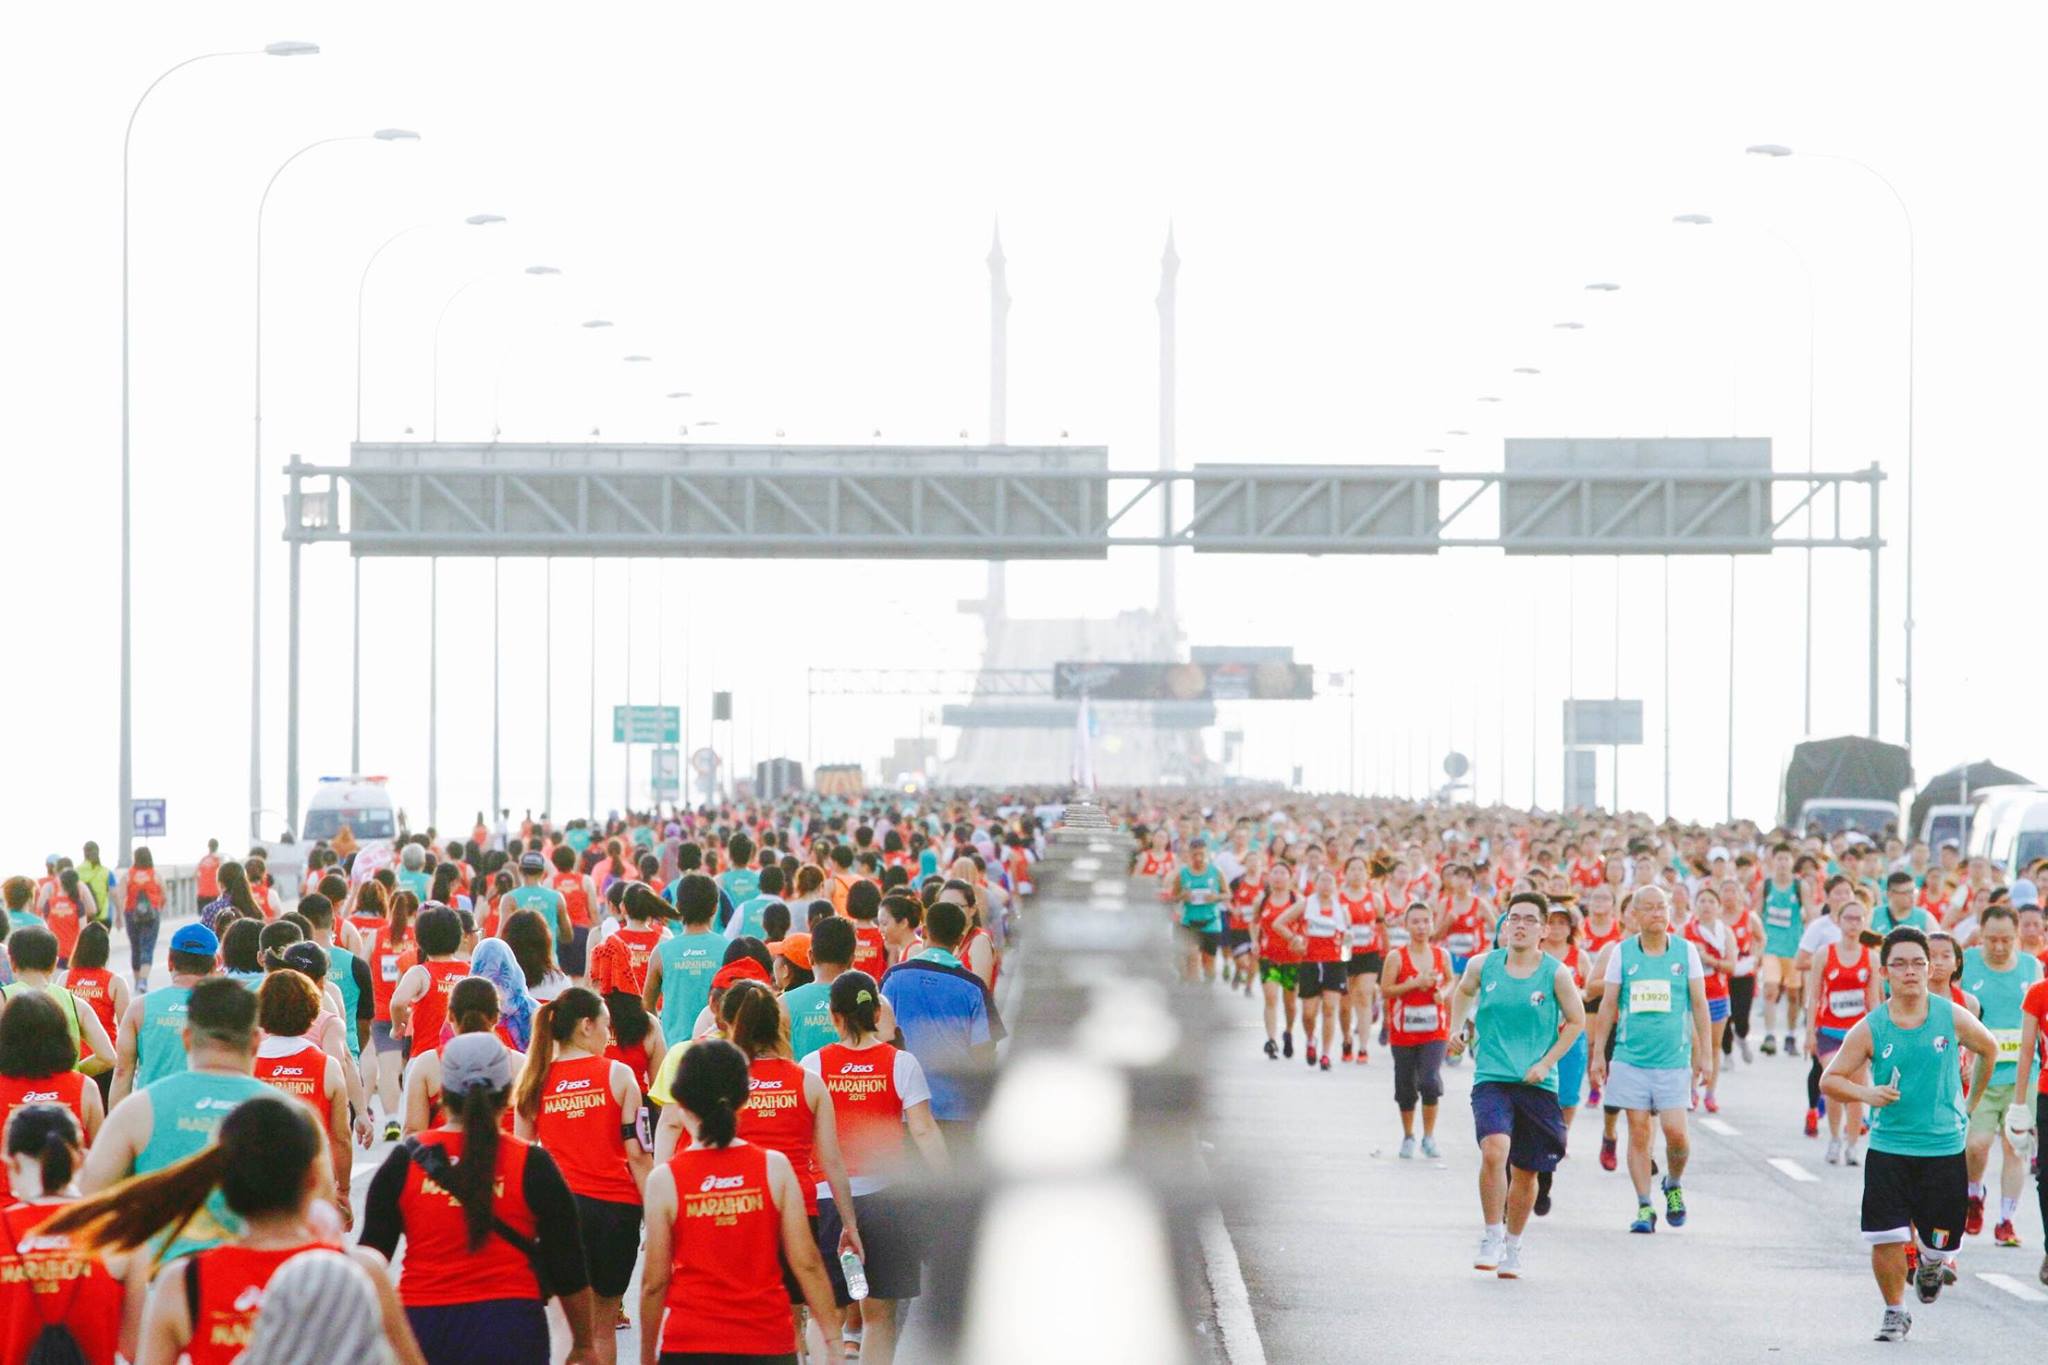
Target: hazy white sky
(1381,210)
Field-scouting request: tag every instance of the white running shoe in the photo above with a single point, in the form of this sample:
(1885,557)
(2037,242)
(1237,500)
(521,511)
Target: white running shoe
(1834,1151)
(1510,1267)
(1408,1149)
(1748,1057)
(1429,1148)
(1491,1247)
(1897,1322)
(1850,1156)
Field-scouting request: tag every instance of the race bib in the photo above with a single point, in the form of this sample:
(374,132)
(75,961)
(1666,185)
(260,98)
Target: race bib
(1851,1005)
(388,964)
(1778,916)
(1649,997)
(1745,965)
(1361,935)
(1420,1018)
(1462,944)
(1397,936)
(2008,1040)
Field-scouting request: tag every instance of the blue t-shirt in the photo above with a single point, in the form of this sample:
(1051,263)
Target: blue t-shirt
(942,1017)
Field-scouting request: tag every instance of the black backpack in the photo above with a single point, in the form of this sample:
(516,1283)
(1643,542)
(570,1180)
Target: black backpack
(54,1345)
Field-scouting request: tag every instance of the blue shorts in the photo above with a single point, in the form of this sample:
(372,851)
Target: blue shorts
(1656,1089)
(1717,1008)
(1528,1114)
(1571,1074)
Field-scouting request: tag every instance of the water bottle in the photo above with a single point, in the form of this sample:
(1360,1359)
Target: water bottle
(855,1274)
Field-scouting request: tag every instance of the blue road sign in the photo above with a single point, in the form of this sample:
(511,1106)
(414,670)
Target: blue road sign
(148,818)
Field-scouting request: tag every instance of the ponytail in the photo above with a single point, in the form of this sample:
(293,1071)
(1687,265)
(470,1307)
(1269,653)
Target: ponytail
(474,1009)
(753,1020)
(404,905)
(49,1133)
(552,1025)
(857,1003)
(711,1083)
(258,1161)
(473,1179)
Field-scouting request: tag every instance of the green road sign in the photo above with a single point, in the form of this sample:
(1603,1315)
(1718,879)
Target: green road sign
(647,724)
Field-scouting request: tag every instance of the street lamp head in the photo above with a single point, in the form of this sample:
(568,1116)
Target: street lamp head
(543,270)
(1569,326)
(1457,431)
(291,47)
(1488,398)
(1527,369)
(395,135)
(679,394)
(638,359)
(484,219)
(1434,450)
(1692,219)
(1770,149)
(595,323)
(1603,287)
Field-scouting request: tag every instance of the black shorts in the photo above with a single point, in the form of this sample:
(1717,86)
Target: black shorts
(1311,979)
(1928,1195)
(611,1243)
(573,956)
(1528,1115)
(1238,938)
(789,1284)
(1196,939)
(1365,964)
(888,1234)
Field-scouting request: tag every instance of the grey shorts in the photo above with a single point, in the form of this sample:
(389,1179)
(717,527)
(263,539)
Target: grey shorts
(381,1039)
(1656,1089)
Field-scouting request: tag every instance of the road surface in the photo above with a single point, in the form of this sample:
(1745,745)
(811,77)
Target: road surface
(1348,1253)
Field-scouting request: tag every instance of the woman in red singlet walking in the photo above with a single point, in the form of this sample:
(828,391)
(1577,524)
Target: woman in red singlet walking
(49,1282)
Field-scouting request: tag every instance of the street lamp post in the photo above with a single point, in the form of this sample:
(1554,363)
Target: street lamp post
(355,689)
(1777,151)
(126,820)
(256,516)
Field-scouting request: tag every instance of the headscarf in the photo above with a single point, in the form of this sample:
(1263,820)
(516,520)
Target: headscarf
(318,1308)
(494,962)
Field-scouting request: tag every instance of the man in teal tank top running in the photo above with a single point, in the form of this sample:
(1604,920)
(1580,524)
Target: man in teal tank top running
(1998,974)
(151,1044)
(1526,1008)
(1653,990)
(1915,1179)
(172,1118)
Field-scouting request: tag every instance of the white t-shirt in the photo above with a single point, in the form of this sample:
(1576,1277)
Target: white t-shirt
(911,1088)
(1693,970)
(1820,935)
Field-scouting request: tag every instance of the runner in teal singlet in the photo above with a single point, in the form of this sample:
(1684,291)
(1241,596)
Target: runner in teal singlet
(1781,904)
(151,1045)
(174,1117)
(680,969)
(1527,1010)
(1915,1180)
(1196,887)
(1998,975)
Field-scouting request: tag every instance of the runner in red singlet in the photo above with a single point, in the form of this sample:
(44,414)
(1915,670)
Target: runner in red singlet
(1280,953)
(419,1002)
(46,1278)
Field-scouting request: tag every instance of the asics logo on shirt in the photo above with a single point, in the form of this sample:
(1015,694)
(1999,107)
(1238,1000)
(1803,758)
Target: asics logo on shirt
(564,1087)
(204,1103)
(721,1182)
(763,1083)
(40,1097)
(857,1068)
(249,1299)
(290,1071)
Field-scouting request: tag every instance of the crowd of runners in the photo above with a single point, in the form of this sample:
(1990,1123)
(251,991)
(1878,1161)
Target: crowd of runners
(710,1053)
(1631,966)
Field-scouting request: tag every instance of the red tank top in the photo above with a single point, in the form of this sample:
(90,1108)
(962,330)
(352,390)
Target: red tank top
(66,1088)
(301,1074)
(1418,1017)
(62,919)
(74,1290)
(727,1250)
(1716,981)
(574,898)
(870,952)
(995,963)
(866,1108)
(385,969)
(1595,940)
(778,1115)
(1465,934)
(580,1126)
(1276,946)
(439,1267)
(1842,996)
(635,1058)
(209,877)
(430,1011)
(94,986)
(142,885)
(231,1282)
(1363,915)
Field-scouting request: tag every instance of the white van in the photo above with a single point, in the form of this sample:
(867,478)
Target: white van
(1994,804)
(2020,836)
(360,803)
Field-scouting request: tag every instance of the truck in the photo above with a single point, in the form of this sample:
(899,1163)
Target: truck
(1946,805)
(1846,783)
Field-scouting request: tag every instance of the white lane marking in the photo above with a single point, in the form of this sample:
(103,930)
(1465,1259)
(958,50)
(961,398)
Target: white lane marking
(1721,1126)
(2016,1288)
(1793,1169)
(1234,1321)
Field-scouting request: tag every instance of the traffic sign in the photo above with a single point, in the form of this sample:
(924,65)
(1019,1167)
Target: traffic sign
(647,724)
(705,761)
(667,775)
(148,817)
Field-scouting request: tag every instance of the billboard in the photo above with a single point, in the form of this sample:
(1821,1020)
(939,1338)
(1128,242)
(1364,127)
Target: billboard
(1601,722)
(1272,681)
(1663,495)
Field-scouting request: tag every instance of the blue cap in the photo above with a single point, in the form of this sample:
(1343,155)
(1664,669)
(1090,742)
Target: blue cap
(196,939)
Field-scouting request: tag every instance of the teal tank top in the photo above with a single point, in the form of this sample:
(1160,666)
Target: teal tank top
(160,1041)
(342,972)
(1518,1018)
(2000,994)
(688,962)
(1654,1007)
(1927,1119)
(185,1112)
(810,1019)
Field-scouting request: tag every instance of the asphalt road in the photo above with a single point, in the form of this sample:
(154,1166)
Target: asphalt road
(1349,1254)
